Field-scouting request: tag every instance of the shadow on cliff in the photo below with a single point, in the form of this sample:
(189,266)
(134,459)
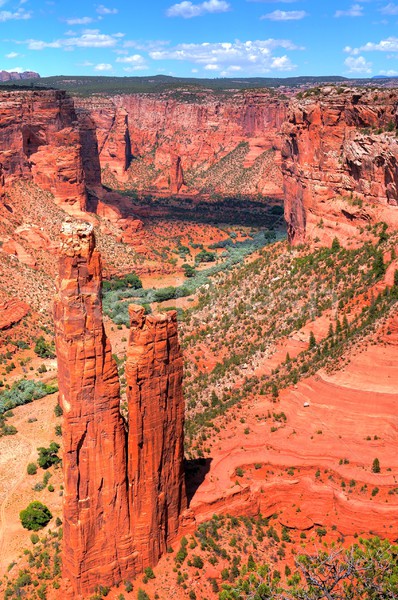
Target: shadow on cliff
(195,473)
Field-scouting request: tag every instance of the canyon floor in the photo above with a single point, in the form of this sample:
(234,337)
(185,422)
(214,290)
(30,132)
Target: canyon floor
(281,432)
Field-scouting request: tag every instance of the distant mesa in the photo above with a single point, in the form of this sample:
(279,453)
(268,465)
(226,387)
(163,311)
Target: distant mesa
(13,75)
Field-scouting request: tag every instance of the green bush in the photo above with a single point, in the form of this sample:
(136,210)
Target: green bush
(131,280)
(48,456)
(58,411)
(44,349)
(31,469)
(35,516)
(23,392)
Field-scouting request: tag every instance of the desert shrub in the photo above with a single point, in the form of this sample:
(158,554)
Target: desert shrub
(31,469)
(204,257)
(35,516)
(58,410)
(22,392)
(44,349)
(48,456)
(131,280)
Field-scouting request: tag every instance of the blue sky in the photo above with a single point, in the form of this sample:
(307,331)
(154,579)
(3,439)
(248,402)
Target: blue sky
(200,38)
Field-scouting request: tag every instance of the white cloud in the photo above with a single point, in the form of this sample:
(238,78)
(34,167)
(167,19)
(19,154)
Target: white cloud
(90,38)
(390,44)
(389,9)
(279,1)
(358,65)
(134,59)
(147,45)
(389,73)
(80,21)
(20,14)
(15,70)
(103,67)
(356,10)
(187,9)
(135,62)
(285,15)
(281,63)
(103,10)
(12,55)
(250,57)
(212,67)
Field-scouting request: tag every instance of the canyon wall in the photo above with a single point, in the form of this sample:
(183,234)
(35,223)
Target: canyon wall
(40,142)
(170,142)
(339,165)
(124,491)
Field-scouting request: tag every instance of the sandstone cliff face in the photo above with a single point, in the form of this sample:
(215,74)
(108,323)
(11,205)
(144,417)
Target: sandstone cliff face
(339,160)
(155,445)
(40,142)
(123,497)
(12,311)
(97,540)
(152,141)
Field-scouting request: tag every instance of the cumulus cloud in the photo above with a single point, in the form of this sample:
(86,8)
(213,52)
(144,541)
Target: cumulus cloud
(90,38)
(103,67)
(250,57)
(79,21)
(20,14)
(285,15)
(389,73)
(135,62)
(147,45)
(390,44)
(12,55)
(103,10)
(389,9)
(15,70)
(358,65)
(187,9)
(279,1)
(356,10)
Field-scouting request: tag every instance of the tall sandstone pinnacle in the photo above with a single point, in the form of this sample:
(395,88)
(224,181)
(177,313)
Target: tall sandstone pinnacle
(155,446)
(124,491)
(97,541)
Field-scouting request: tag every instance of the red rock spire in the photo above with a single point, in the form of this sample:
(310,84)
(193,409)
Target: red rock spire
(123,497)
(97,542)
(155,444)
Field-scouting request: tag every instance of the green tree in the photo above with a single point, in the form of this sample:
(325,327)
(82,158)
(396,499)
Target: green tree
(44,349)
(48,456)
(376,466)
(312,340)
(35,516)
(379,268)
(335,245)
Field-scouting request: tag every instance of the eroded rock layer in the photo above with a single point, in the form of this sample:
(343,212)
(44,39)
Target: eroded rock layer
(123,495)
(340,157)
(156,418)
(171,142)
(97,541)
(40,142)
